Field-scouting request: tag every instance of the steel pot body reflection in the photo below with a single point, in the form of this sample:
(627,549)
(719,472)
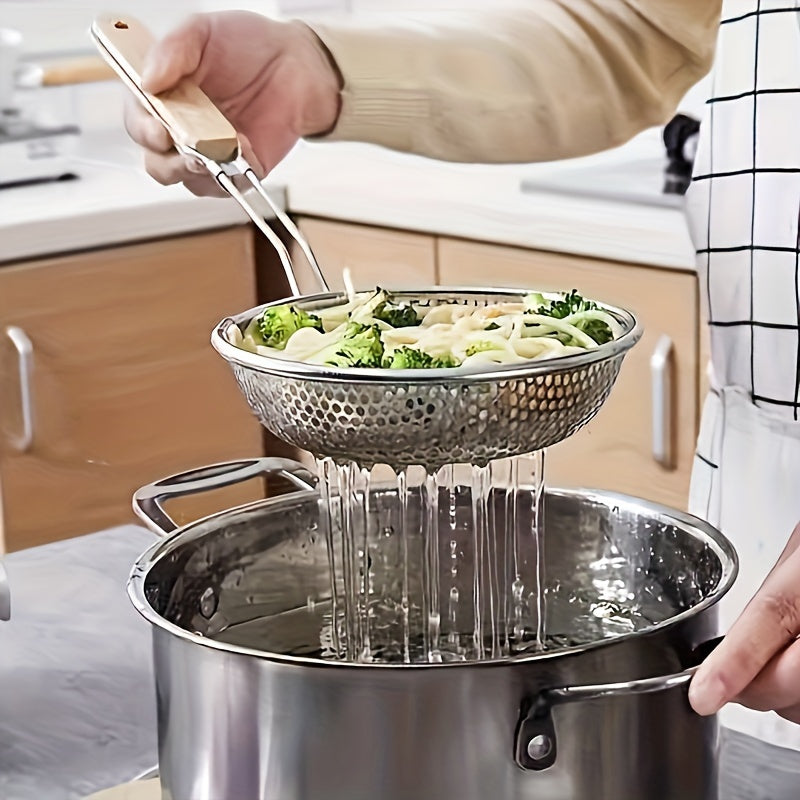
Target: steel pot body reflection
(606,720)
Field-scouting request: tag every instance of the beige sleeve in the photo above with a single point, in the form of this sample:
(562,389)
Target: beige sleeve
(553,79)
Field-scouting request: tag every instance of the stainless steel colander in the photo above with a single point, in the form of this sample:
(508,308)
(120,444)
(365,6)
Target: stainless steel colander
(395,417)
(425,417)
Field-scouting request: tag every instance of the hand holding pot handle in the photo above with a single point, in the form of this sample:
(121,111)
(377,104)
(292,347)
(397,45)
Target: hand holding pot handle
(758,662)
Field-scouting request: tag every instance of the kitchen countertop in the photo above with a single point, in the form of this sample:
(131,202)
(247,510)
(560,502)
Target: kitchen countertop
(362,183)
(77,709)
(114,201)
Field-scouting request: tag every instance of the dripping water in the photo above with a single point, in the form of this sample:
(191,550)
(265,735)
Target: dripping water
(447,566)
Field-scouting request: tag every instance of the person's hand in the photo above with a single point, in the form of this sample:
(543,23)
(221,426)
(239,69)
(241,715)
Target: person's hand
(272,80)
(758,662)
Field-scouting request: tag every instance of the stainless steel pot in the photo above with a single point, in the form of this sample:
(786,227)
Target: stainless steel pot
(606,720)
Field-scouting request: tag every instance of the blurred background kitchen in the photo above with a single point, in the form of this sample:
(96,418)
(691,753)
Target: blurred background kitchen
(110,285)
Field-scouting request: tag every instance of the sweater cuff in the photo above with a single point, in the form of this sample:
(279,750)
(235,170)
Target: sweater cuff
(378,105)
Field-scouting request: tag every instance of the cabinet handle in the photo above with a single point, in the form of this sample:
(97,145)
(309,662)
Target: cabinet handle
(5,595)
(24,347)
(661,366)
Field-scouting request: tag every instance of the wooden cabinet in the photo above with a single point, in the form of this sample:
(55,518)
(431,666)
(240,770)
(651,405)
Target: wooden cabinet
(374,256)
(615,450)
(124,387)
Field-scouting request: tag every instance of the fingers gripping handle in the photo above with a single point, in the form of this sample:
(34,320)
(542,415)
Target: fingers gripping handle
(191,118)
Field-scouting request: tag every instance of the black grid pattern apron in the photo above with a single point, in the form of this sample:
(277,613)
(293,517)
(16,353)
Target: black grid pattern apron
(744,206)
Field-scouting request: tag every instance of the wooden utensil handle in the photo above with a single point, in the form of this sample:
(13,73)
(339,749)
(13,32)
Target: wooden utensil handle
(186,111)
(75,70)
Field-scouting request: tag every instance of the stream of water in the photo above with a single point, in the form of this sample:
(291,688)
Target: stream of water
(435,566)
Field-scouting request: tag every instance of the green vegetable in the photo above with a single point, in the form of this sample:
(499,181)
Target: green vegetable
(380,306)
(597,329)
(572,303)
(278,323)
(409,358)
(398,316)
(360,346)
(481,347)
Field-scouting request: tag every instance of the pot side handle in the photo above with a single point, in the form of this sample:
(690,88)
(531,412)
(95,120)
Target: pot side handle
(147,501)
(535,740)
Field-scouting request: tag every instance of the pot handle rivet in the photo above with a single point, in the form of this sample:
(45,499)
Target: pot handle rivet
(535,741)
(540,747)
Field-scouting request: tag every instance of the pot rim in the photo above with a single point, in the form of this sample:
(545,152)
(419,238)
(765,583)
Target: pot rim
(699,528)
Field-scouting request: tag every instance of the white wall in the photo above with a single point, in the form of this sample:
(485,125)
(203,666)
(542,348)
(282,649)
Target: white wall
(50,26)
(60,26)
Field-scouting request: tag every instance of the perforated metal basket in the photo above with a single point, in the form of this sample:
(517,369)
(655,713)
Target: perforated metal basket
(426,417)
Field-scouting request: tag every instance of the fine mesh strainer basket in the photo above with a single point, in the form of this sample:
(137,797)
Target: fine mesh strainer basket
(427,417)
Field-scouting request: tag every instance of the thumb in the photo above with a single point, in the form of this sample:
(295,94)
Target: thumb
(176,56)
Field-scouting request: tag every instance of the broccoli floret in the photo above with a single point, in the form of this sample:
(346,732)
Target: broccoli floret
(571,303)
(278,323)
(481,347)
(597,329)
(398,316)
(574,303)
(380,306)
(409,358)
(360,346)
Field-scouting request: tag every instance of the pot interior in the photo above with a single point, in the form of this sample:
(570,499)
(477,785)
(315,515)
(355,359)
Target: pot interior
(259,578)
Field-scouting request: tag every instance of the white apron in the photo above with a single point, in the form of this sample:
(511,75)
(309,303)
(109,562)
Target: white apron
(744,205)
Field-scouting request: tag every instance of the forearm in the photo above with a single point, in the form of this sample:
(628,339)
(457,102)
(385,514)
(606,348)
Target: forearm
(555,79)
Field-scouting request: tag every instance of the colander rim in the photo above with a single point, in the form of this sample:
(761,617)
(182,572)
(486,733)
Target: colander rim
(220,341)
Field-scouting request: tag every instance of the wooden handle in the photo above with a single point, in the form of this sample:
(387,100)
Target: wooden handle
(186,111)
(75,70)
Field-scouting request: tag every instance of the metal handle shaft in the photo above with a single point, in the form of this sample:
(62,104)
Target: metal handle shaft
(24,347)
(226,182)
(535,741)
(642,686)
(286,221)
(147,501)
(661,376)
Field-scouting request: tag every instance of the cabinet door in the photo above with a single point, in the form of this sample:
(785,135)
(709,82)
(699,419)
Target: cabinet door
(375,256)
(125,387)
(615,450)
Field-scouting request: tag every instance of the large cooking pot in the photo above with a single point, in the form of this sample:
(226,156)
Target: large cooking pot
(606,720)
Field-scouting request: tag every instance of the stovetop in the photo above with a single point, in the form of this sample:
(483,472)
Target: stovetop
(32,153)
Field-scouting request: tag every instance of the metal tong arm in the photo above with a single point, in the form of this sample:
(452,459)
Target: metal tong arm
(198,129)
